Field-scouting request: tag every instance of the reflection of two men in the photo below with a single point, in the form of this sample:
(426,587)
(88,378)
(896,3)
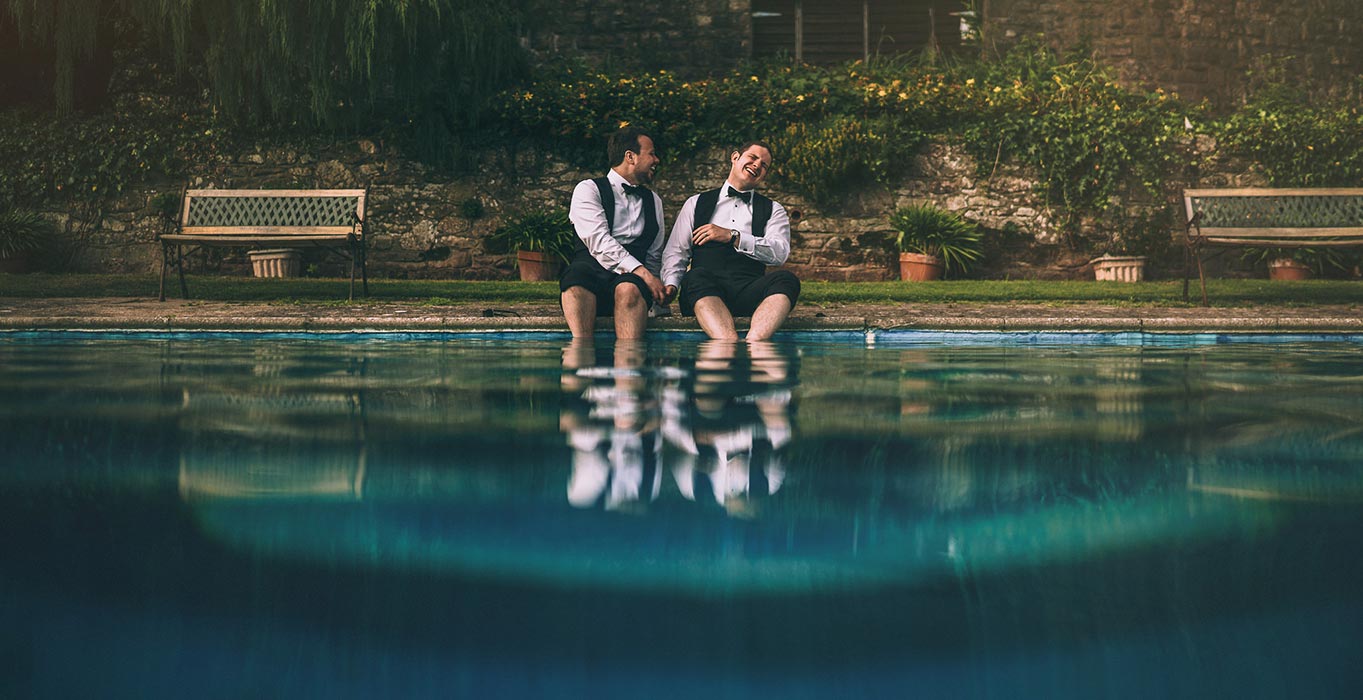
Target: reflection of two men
(733,431)
(610,417)
(726,425)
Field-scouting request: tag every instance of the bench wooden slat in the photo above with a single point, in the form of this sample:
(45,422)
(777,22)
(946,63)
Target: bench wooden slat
(1287,233)
(1280,242)
(1276,192)
(275,193)
(259,241)
(340,231)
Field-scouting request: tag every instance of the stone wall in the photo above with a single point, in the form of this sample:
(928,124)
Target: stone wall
(1197,48)
(419,228)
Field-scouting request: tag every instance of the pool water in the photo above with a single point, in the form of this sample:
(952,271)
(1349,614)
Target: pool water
(832,515)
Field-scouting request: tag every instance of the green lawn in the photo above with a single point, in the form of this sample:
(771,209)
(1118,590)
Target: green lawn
(1162,293)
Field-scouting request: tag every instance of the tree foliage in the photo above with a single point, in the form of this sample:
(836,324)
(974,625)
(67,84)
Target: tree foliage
(327,63)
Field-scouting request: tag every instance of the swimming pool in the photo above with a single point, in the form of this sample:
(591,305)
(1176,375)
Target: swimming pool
(837,514)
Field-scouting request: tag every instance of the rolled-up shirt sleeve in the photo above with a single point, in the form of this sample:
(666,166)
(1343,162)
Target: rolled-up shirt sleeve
(589,221)
(773,247)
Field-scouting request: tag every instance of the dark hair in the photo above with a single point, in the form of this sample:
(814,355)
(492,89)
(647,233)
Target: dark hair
(624,139)
(749,144)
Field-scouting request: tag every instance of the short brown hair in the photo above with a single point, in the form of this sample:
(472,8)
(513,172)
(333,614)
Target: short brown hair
(626,138)
(749,144)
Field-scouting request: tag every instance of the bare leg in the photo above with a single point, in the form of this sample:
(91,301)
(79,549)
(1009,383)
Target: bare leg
(715,318)
(631,312)
(579,309)
(769,316)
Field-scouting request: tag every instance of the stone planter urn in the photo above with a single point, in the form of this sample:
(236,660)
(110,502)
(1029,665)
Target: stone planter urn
(277,262)
(916,267)
(1287,269)
(1119,268)
(536,266)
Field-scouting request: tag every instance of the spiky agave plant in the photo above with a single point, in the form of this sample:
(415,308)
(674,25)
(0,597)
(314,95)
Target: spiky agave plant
(930,230)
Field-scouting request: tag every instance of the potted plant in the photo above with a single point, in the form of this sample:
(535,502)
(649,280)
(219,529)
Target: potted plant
(22,235)
(1291,264)
(542,240)
(932,241)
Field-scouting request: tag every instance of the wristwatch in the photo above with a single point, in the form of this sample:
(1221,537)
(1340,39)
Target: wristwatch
(733,237)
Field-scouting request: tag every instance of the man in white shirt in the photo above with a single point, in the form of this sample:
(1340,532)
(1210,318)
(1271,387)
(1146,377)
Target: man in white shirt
(729,236)
(619,224)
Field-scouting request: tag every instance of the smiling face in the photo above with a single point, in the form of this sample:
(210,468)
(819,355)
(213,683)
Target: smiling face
(749,167)
(642,165)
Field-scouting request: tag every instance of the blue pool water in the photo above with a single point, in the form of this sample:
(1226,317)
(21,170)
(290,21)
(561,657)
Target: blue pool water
(835,515)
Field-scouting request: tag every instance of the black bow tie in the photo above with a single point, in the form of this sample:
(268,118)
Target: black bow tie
(745,196)
(636,190)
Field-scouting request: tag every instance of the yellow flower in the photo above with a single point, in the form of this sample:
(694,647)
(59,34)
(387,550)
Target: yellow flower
(903,96)
(881,93)
(969,81)
(624,124)
(754,78)
(799,98)
(998,89)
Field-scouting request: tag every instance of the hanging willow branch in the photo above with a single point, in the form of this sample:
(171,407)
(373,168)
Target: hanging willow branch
(319,62)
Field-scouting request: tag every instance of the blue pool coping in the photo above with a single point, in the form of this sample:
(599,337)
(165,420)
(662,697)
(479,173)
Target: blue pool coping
(868,338)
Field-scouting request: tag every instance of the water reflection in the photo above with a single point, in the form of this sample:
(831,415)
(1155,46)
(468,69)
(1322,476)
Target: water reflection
(725,419)
(734,424)
(494,516)
(611,416)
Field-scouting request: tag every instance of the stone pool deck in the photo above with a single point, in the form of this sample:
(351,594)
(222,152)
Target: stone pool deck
(176,315)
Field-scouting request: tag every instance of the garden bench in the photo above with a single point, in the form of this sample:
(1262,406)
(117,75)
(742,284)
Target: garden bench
(1269,218)
(329,219)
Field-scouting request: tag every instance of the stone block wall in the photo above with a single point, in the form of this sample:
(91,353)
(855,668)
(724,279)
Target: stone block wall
(1197,48)
(418,227)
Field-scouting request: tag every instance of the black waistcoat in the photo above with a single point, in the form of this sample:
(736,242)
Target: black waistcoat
(639,246)
(721,257)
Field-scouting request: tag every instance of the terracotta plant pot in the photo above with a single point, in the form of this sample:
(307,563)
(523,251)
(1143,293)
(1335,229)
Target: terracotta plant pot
(915,267)
(537,267)
(1119,268)
(18,263)
(1287,269)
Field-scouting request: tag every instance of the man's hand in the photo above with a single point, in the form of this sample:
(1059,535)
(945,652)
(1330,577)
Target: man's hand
(711,232)
(655,285)
(669,293)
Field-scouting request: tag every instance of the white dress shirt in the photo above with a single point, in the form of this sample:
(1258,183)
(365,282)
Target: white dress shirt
(589,220)
(732,213)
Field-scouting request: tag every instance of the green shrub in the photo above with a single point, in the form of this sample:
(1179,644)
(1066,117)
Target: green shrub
(544,231)
(1088,139)
(1296,144)
(929,230)
(23,232)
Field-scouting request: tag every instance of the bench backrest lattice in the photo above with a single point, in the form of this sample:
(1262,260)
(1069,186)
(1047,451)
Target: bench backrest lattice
(334,212)
(1272,217)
